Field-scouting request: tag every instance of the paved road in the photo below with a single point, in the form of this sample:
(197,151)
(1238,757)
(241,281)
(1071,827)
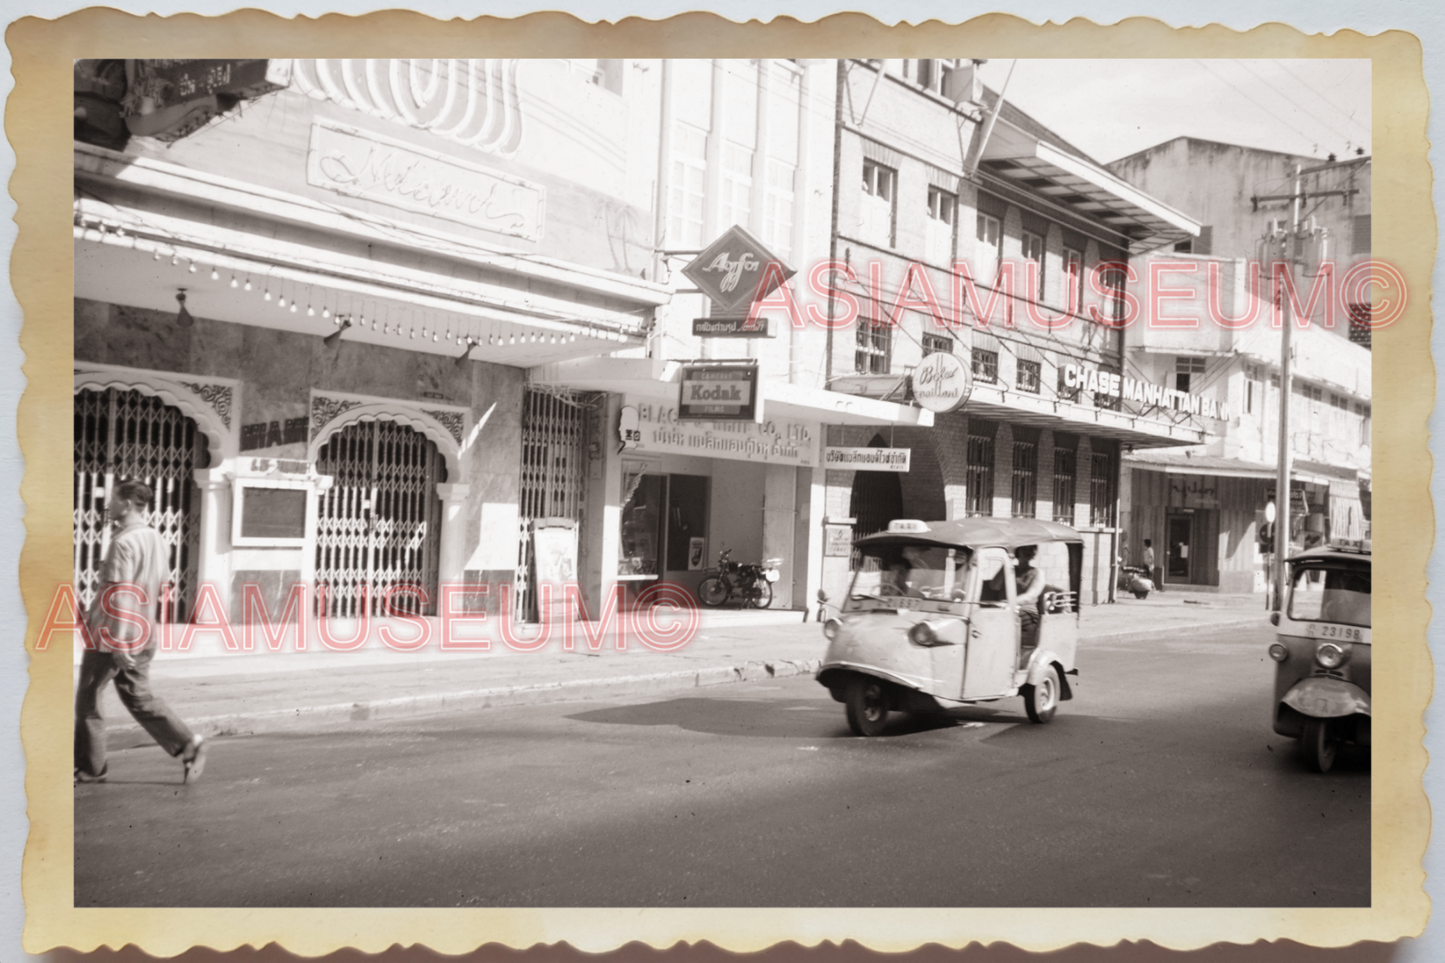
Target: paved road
(1160,784)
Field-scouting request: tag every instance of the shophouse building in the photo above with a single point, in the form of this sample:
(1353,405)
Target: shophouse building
(308,295)
(932,186)
(1202,507)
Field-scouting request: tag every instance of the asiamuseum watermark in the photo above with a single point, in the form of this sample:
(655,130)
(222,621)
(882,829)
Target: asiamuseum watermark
(663,618)
(1169,293)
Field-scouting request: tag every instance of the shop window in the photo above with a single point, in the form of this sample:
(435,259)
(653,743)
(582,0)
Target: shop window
(1252,388)
(979,497)
(1029,376)
(1064,460)
(937,344)
(985,366)
(1033,250)
(643,499)
(1101,490)
(873,354)
(1114,281)
(938,239)
(1025,479)
(1187,371)
(778,209)
(877,205)
(687,187)
(1364,412)
(929,74)
(737,184)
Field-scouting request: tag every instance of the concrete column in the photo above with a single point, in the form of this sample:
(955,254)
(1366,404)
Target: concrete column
(816,511)
(214,562)
(453,534)
(779,517)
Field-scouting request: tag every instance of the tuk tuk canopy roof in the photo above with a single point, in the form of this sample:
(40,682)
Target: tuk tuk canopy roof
(1332,553)
(1009,533)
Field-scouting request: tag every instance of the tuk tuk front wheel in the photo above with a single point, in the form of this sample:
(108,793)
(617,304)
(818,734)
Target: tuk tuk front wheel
(867,706)
(1041,701)
(1319,744)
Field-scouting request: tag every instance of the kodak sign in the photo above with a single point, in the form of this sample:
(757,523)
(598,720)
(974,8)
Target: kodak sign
(718,392)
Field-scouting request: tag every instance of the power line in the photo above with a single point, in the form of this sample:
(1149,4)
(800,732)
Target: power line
(1310,87)
(1261,106)
(1296,103)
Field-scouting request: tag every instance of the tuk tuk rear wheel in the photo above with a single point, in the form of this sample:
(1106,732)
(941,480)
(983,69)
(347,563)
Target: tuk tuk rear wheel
(867,706)
(1319,744)
(1042,701)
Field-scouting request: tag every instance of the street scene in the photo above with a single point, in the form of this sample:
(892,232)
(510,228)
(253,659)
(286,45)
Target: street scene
(700,482)
(1158,785)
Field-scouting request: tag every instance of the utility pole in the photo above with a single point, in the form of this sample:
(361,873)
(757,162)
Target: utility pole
(1283,501)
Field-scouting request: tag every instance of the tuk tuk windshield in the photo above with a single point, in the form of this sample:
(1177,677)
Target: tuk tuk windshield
(928,577)
(1325,593)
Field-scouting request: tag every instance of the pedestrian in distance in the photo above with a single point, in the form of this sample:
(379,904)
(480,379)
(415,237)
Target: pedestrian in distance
(122,635)
(1157,576)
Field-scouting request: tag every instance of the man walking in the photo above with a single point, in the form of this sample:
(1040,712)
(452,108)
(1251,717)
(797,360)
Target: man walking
(122,636)
(1157,576)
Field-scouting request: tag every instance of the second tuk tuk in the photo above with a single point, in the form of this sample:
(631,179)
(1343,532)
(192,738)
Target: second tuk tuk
(943,614)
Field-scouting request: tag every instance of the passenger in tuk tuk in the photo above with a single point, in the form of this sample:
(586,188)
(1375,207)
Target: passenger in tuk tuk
(913,573)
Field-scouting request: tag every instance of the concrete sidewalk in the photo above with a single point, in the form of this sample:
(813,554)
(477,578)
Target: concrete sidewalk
(267,691)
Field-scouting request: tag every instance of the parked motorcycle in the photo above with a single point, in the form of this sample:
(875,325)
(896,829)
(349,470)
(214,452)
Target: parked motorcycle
(1135,579)
(738,582)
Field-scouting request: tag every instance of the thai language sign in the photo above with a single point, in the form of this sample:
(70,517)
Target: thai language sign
(1111,384)
(377,168)
(779,441)
(867,459)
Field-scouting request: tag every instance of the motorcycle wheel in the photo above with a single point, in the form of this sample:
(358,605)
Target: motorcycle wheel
(1319,744)
(762,594)
(712,591)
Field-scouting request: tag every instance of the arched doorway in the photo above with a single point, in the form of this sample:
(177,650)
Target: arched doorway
(379,525)
(122,434)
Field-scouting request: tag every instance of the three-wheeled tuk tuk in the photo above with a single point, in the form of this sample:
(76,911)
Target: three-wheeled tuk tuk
(942,614)
(1322,651)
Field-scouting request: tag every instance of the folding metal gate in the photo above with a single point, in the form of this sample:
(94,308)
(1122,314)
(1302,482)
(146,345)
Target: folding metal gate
(554,427)
(123,435)
(379,525)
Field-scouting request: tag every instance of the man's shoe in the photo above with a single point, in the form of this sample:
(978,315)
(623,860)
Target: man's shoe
(85,777)
(195,759)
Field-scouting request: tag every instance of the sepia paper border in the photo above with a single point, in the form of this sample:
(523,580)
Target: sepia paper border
(1404,234)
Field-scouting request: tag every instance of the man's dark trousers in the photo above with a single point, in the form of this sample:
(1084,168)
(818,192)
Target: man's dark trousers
(134,688)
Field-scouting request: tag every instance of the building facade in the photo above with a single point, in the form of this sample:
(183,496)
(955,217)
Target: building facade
(1202,508)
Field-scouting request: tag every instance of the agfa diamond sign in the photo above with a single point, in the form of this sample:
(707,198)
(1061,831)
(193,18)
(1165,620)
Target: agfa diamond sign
(732,269)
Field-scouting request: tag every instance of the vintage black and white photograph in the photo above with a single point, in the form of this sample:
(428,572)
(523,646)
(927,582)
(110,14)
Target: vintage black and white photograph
(723,482)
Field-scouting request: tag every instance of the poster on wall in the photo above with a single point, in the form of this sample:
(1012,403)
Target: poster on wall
(837,541)
(695,554)
(554,553)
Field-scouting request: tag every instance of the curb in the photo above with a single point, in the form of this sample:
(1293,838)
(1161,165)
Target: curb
(573,690)
(414,706)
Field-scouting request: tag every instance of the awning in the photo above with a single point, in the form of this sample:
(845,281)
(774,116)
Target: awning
(1188,463)
(1042,168)
(145,230)
(654,378)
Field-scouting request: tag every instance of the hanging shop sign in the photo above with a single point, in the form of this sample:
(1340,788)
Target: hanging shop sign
(867,459)
(168,99)
(718,392)
(378,168)
(942,383)
(731,328)
(733,271)
(1111,384)
(778,441)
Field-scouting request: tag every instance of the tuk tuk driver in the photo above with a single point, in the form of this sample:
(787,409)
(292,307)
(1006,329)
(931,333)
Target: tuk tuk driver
(1029,582)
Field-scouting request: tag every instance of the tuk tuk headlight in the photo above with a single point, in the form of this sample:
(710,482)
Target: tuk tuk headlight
(1278,652)
(831,629)
(922,633)
(1331,656)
